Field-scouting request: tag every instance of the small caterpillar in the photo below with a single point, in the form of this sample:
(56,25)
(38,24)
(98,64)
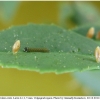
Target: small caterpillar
(26,49)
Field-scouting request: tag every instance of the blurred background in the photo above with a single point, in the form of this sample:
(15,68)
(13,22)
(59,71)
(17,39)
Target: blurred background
(68,15)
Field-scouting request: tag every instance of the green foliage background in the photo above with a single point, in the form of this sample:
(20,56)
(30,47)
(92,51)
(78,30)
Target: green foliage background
(17,82)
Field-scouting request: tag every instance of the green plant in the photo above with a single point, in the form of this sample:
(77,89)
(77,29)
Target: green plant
(69,51)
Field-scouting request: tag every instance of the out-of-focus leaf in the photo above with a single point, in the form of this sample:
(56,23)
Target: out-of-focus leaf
(78,13)
(65,15)
(89,79)
(85,13)
(8,10)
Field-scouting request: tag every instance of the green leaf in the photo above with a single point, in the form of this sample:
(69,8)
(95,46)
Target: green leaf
(69,51)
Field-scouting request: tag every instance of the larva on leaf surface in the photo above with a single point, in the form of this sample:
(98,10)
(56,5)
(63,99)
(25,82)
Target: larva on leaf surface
(16,47)
(90,32)
(97,54)
(98,36)
(26,49)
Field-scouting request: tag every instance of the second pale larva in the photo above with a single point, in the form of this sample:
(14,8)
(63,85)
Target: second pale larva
(97,54)
(16,47)
(90,32)
(98,36)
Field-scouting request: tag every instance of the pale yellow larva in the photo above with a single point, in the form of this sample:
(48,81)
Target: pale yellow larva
(97,54)
(16,47)
(98,35)
(90,32)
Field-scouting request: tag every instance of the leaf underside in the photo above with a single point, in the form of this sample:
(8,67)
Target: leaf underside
(69,51)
